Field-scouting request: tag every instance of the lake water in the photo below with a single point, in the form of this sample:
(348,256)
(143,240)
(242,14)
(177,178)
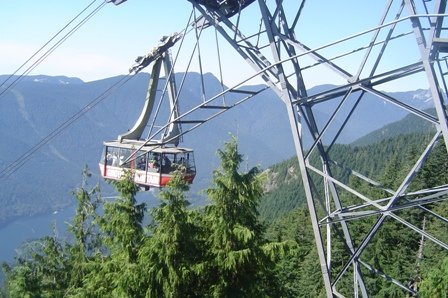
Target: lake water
(19,231)
(32,228)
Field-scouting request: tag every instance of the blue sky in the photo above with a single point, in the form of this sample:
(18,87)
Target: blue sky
(108,43)
(105,46)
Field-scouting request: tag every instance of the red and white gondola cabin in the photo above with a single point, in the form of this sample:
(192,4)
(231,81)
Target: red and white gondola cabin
(153,166)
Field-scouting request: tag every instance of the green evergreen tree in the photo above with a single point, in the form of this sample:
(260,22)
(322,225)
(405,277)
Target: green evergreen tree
(435,283)
(298,270)
(239,265)
(170,256)
(49,266)
(114,270)
(42,270)
(86,237)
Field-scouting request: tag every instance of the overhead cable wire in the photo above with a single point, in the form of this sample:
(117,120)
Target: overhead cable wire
(42,47)
(199,58)
(184,34)
(52,48)
(220,67)
(21,160)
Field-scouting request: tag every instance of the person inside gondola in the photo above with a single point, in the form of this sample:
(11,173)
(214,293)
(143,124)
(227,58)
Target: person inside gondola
(166,166)
(141,165)
(182,165)
(109,159)
(114,160)
(182,161)
(153,163)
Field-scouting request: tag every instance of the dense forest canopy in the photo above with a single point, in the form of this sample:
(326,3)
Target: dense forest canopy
(218,251)
(395,250)
(253,239)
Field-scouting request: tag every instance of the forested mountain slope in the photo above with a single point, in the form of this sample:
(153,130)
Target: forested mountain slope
(394,250)
(223,249)
(38,105)
(408,125)
(368,155)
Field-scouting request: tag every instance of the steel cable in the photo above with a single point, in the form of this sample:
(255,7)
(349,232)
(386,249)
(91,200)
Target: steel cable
(52,48)
(21,160)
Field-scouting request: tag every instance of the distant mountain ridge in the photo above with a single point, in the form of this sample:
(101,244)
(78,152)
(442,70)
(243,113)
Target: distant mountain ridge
(41,79)
(409,124)
(39,104)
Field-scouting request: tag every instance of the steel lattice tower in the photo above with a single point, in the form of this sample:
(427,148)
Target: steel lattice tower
(406,44)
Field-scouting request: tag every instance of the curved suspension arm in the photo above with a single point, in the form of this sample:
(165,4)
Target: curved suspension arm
(160,55)
(136,132)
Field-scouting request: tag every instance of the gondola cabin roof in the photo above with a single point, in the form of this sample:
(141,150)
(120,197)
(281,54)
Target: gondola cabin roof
(149,147)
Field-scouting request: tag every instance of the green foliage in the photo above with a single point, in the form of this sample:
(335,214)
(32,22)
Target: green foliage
(42,270)
(298,269)
(238,259)
(284,191)
(122,220)
(170,257)
(220,251)
(393,250)
(122,230)
(224,250)
(86,238)
(435,171)
(48,267)
(435,283)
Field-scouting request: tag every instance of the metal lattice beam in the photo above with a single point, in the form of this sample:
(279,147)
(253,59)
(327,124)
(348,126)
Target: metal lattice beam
(284,61)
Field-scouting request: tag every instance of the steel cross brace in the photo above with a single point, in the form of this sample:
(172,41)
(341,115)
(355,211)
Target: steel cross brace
(282,41)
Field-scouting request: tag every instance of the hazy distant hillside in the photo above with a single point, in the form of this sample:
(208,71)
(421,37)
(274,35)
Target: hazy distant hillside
(410,124)
(39,104)
(371,113)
